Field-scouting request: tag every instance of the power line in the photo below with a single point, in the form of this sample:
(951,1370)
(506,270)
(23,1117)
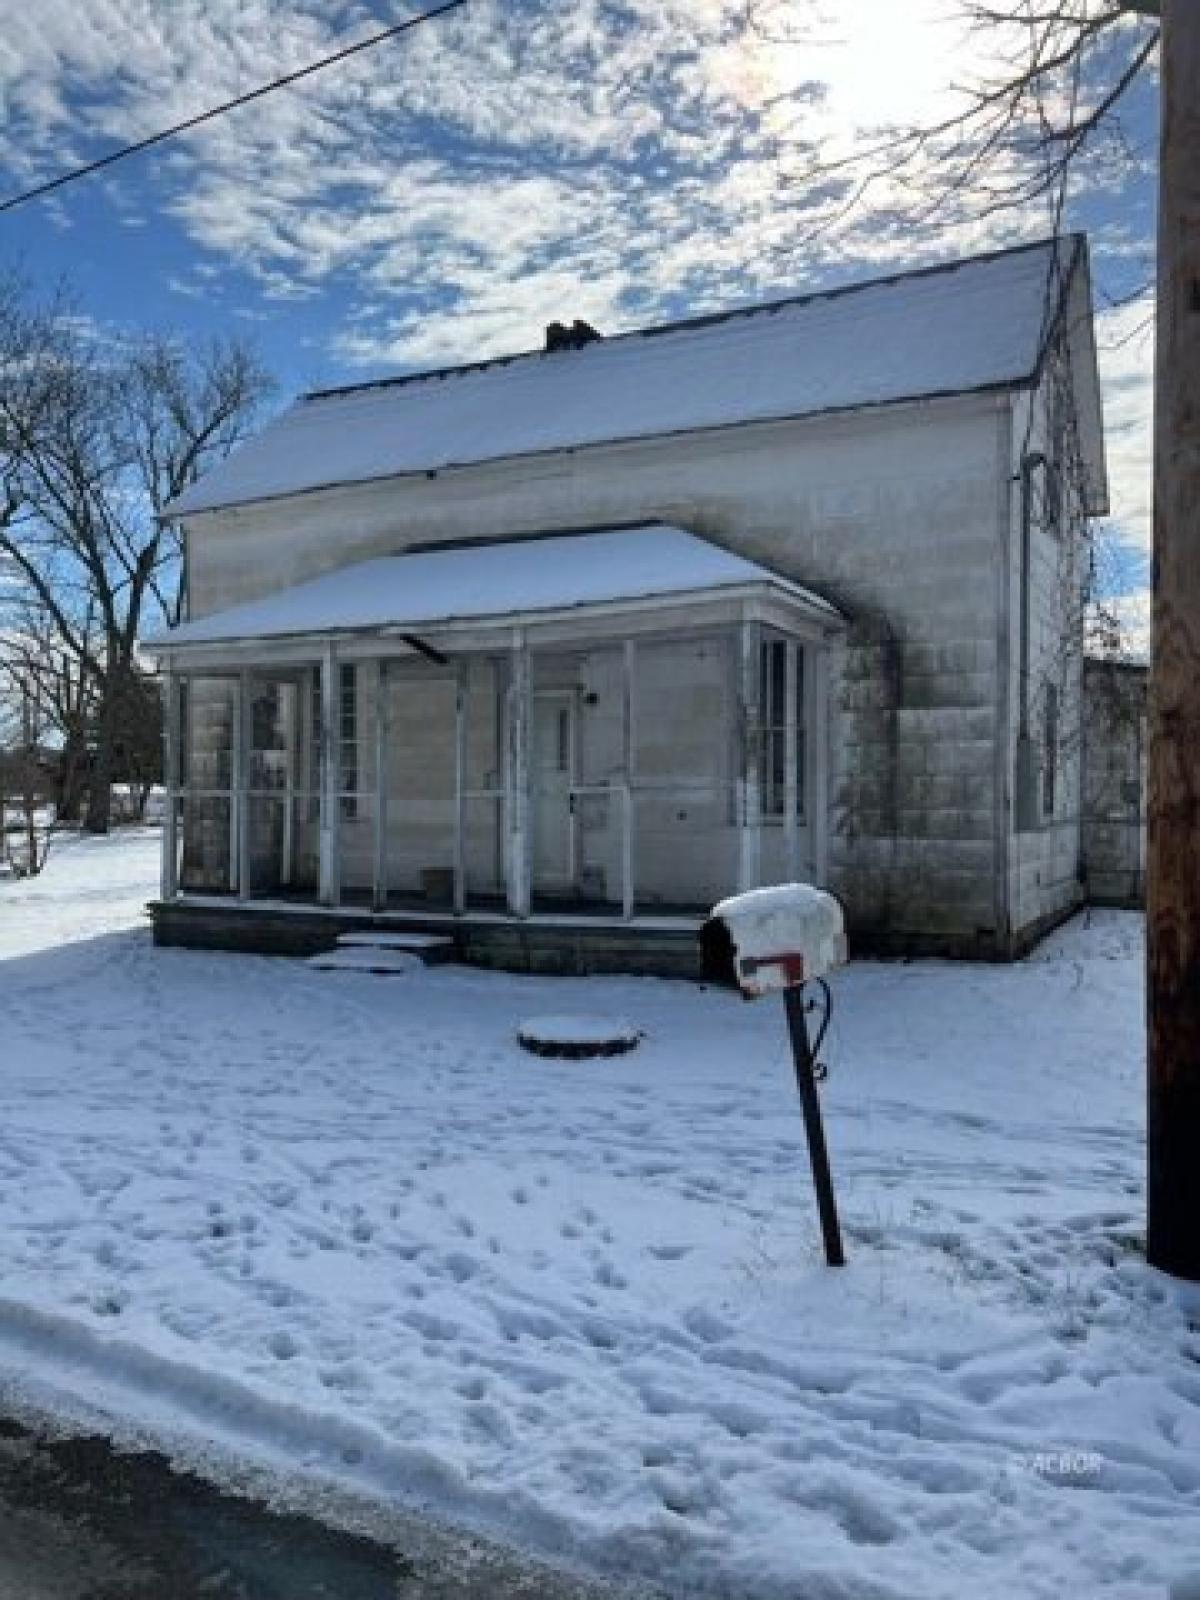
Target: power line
(230,105)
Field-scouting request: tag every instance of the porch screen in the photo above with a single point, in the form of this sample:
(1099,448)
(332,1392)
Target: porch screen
(576,772)
(419,705)
(484,683)
(281,813)
(207,859)
(685,837)
(356,708)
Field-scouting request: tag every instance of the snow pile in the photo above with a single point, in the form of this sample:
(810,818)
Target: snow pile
(578,1037)
(349,1231)
(783,934)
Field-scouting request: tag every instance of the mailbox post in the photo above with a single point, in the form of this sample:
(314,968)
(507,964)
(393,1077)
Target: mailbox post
(785,940)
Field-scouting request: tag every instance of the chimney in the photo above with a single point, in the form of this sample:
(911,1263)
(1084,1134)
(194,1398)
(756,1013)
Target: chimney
(560,337)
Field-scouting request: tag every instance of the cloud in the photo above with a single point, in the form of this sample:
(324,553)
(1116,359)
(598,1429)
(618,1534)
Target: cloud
(645,139)
(619,160)
(1125,346)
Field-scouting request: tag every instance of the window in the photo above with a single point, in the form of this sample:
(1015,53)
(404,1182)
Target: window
(347,736)
(1050,752)
(773,717)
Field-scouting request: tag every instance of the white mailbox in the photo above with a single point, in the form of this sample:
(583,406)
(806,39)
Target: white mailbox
(783,936)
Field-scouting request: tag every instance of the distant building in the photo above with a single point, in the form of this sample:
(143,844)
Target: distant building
(1114,786)
(556,650)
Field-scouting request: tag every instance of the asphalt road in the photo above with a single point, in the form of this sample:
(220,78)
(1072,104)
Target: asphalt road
(82,1521)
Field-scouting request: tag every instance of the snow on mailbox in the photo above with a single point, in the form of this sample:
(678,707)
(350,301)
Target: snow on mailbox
(783,936)
(787,939)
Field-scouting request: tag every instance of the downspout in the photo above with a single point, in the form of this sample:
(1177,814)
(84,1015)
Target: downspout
(1026,808)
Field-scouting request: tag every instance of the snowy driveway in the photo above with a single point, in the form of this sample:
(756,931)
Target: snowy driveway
(343,1226)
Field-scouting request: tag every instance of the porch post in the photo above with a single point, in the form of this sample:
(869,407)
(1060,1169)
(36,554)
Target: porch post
(749,721)
(290,705)
(816,758)
(172,726)
(329,888)
(628,764)
(241,787)
(460,786)
(516,777)
(379,891)
(791,754)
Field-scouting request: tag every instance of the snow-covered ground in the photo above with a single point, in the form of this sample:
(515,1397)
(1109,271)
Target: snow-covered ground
(342,1226)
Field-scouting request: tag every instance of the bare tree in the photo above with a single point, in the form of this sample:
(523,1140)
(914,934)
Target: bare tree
(94,441)
(34,663)
(24,775)
(1052,97)
(1045,109)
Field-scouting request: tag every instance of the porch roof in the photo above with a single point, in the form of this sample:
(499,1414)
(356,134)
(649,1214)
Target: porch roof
(492,582)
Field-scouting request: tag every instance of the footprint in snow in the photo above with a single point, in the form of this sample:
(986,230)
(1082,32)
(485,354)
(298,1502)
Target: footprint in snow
(706,1325)
(460,1266)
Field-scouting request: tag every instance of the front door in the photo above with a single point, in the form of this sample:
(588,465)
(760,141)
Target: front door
(553,767)
(274,754)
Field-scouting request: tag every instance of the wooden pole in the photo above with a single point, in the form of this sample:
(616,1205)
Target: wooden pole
(628,769)
(329,890)
(379,891)
(242,762)
(1173,865)
(750,722)
(172,723)
(461,690)
(518,805)
(791,758)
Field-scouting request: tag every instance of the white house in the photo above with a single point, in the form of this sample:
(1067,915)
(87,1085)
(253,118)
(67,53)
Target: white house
(556,650)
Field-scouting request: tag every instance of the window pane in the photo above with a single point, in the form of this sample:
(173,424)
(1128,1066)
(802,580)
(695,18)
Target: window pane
(206,860)
(208,761)
(773,715)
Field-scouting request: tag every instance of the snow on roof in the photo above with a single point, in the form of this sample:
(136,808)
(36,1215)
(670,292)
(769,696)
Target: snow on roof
(488,581)
(976,324)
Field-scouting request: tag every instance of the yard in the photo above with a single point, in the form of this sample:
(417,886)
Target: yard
(342,1227)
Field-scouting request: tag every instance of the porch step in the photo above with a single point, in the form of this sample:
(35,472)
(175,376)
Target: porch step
(383,952)
(364,958)
(421,944)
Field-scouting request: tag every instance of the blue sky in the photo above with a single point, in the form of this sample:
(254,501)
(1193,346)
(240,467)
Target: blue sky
(444,196)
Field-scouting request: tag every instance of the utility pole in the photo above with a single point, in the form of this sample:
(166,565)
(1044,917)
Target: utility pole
(1173,864)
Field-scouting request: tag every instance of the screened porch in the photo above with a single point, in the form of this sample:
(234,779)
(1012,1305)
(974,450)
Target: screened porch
(623,756)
